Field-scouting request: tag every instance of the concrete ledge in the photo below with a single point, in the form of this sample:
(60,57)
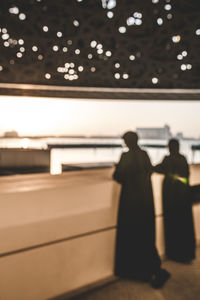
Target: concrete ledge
(58,232)
(87,288)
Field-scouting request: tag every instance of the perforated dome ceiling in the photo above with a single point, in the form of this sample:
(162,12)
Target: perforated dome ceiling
(124,43)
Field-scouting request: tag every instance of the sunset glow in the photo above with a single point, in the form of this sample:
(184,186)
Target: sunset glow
(49,116)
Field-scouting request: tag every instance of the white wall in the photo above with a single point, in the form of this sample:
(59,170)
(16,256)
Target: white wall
(59,231)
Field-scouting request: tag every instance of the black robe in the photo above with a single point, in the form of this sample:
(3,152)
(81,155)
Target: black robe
(136,254)
(177,208)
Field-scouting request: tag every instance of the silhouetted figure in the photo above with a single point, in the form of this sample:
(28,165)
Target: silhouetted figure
(177,205)
(136,254)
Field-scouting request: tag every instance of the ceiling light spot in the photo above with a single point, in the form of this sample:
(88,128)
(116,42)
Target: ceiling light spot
(76,23)
(111,4)
(71,71)
(176,38)
(80,68)
(108,53)
(110,14)
(132,57)
(183,67)
(6,44)
(137,15)
(55,48)
(160,21)
(5,36)
(21,42)
(35,48)
(99,46)
(77,51)
(22,17)
(154,80)
(125,76)
(100,51)
(93,44)
(198,31)
(169,16)
(168,7)
(130,21)
(45,28)
(19,54)
(47,76)
(59,34)
(179,57)
(12,42)
(14,10)
(138,22)
(122,29)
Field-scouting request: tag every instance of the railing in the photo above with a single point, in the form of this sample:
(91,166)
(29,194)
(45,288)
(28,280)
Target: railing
(83,146)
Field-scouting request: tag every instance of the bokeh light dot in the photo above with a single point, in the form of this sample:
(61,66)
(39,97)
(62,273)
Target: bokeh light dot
(47,76)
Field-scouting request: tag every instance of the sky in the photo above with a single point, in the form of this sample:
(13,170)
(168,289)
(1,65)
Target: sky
(48,116)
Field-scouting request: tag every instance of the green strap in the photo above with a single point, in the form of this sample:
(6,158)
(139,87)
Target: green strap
(176,177)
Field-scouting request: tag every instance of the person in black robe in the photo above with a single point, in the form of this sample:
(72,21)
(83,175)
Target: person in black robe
(177,205)
(136,254)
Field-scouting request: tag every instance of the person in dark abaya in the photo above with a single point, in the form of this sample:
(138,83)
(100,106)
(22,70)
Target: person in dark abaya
(177,205)
(136,254)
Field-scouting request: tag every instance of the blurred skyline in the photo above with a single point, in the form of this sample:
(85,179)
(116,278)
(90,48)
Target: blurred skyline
(47,116)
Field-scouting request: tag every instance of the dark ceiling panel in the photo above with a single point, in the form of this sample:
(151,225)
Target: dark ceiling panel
(93,43)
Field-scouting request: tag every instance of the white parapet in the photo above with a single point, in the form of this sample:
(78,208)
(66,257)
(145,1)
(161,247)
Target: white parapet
(58,232)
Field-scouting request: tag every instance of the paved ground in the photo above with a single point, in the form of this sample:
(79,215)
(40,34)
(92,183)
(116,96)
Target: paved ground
(183,285)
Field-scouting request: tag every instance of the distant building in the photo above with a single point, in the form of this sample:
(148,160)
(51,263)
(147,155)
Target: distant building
(154,133)
(11,134)
(179,135)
